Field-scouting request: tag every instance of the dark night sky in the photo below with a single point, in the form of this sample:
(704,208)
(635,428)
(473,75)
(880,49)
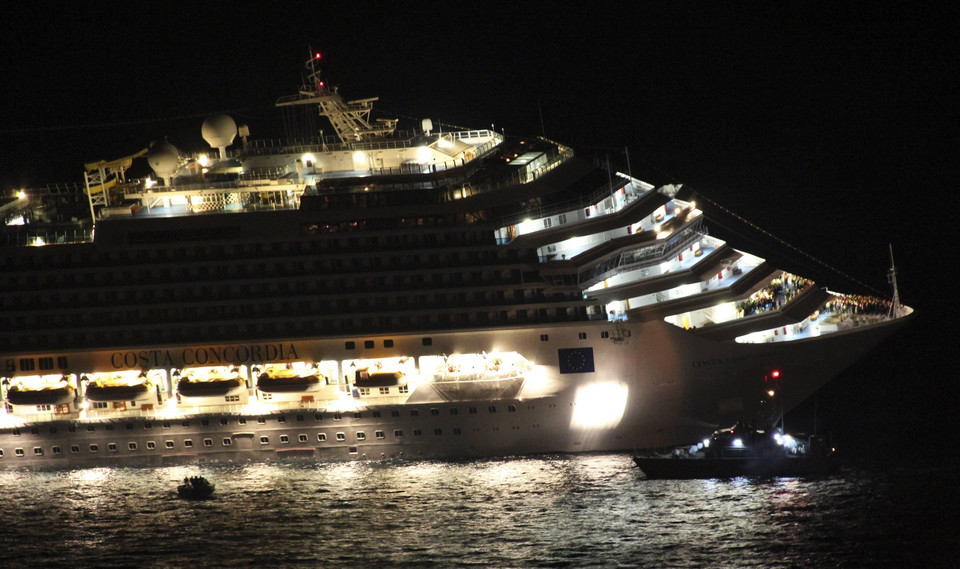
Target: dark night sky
(834,127)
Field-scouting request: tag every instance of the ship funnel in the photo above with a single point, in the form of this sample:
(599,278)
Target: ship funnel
(219,132)
(427,126)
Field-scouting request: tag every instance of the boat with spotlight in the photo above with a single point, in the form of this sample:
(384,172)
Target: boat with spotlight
(390,290)
(740,451)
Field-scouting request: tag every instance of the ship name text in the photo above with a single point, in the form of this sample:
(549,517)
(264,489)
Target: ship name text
(204,356)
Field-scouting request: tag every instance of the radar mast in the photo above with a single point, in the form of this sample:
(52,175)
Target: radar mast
(351,119)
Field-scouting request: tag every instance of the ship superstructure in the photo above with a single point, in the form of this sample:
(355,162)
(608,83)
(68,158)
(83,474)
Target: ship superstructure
(391,293)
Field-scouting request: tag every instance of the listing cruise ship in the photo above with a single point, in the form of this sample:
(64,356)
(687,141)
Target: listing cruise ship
(386,293)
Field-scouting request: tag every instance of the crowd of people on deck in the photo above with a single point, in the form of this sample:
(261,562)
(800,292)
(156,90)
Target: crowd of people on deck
(780,291)
(858,304)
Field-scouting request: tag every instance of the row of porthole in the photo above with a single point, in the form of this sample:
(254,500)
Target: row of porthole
(226,441)
(280,419)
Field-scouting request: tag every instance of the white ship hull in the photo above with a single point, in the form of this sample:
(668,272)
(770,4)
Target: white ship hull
(660,386)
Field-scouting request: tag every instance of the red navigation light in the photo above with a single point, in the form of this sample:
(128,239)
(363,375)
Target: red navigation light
(775,374)
(317,55)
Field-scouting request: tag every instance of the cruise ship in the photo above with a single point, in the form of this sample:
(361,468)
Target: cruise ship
(375,292)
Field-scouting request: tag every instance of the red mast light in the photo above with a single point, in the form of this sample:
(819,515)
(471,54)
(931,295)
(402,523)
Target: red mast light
(775,374)
(317,55)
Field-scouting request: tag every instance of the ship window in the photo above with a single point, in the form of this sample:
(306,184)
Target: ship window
(457,431)
(231,398)
(148,425)
(208,442)
(261,420)
(378,434)
(38,451)
(434,412)
(226,441)
(492,409)
(264,440)
(302,438)
(204,422)
(300,418)
(26,364)
(350,345)
(544,337)
(168,444)
(388,343)
(94,448)
(62,362)
(242,420)
(112,447)
(45,363)
(394,413)
(361,436)
(368,344)
(129,426)
(353,450)
(416,432)
(321,437)
(512,408)
(427,341)
(187,443)
(414,413)
(151,445)
(375,413)
(91,428)
(472,410)
(284,439)
(55,449)
(438,432)
(131,446)
(341,437)
(318,416)
(337,416)
(72,428)
(166,424)
(398,433)
(281,418)
(74,448)
(582,335)
(454,410)
(403,389)
(223,420)
(604,334)
(357,416)
(18,452)
(384,391)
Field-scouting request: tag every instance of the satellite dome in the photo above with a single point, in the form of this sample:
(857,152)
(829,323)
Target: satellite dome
(219,132)
(164,158)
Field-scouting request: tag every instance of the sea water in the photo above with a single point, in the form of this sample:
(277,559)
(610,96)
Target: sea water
(548,511)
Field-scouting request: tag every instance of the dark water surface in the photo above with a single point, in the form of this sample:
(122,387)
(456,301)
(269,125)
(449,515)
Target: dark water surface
(554,511)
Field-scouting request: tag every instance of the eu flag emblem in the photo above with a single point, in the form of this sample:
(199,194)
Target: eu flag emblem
(576,360)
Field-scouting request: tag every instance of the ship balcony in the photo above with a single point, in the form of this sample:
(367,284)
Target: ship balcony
(733,287)
(691,270)
(795,310)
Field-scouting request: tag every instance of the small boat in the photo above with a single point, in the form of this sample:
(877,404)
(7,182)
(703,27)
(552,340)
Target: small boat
(289,378)
(741,451)
(208,381)
(195,488)
(117,386)
(53,389)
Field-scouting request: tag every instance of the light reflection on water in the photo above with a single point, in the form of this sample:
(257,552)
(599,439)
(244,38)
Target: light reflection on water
(555,511)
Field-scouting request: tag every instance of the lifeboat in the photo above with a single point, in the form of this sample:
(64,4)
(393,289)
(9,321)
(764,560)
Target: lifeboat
(373,377)
(208,382)
(120,386)
(41,390)
(289,379)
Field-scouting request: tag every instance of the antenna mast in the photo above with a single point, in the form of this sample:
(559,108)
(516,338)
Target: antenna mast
(892,279)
